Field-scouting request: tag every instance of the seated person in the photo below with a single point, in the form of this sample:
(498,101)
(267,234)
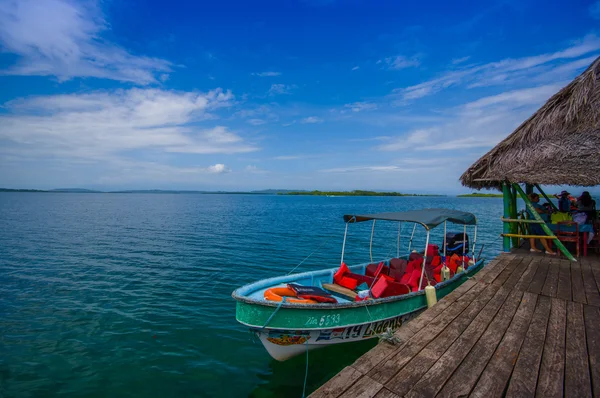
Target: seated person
(536,229)
(586,204)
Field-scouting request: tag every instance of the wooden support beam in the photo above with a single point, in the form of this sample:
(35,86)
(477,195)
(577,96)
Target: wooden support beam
(506,228)
(546,197)
(547,230)
(528,236)
(517,220)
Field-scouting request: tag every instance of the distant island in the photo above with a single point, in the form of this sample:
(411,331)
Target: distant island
(480,195)
(352,193)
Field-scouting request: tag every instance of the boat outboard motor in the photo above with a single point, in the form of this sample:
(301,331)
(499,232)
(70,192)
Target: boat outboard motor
(455,242)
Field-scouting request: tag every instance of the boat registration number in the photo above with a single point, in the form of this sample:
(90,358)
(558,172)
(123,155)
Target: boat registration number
(325,320)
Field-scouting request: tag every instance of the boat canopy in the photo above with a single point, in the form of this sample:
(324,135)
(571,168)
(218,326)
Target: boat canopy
(429,218)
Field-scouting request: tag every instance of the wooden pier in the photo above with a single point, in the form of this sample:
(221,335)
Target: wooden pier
(525,325)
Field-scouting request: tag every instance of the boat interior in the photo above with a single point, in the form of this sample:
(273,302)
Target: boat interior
(387,278)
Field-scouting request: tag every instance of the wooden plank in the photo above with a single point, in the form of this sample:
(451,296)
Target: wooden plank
(577,375)
(551,285)
(578,290)
(363,388)
(495,377)
(444,368)
(525,374)
(493,272)
(508,270)
(592,333)
(539,278)
(472,366)
(338,383)
(404,380)
(550,380)
(592,295)
(564,280)
(529,273)
(351,294)
(385,393)
(501,260)
(518,272)
(383,350)
(387,369)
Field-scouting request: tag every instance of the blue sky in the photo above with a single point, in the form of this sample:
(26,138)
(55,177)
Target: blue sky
(238,95)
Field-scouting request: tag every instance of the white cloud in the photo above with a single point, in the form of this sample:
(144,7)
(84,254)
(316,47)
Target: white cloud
(507,70)
(595,10)
(254,170)
(356,68)
(267,74)
(460,60)
(62,38)
(517,98)
(288,157)
(400,62)
(361,106)
(280,89)
(415,139)
(104,124)
(218,168)
(311,120)
(256,122)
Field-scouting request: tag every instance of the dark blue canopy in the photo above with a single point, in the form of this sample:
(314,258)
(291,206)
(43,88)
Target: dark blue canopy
(429,218)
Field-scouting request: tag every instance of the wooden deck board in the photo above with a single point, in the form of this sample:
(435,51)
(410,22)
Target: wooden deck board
(527,325)
(525,374)
(564,280)
(477,359)
(552,368)
(425,359)
(551,285)
(592,332)
(577,376)
(577,284)
(386,370)
(592,295)
(537,284)
(496,375)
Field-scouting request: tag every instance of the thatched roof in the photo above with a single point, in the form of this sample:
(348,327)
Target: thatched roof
(558,145)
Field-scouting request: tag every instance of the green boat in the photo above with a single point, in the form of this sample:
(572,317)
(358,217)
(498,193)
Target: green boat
(294,313)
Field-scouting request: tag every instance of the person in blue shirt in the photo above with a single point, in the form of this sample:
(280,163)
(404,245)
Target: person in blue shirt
(536,229)
(564,202)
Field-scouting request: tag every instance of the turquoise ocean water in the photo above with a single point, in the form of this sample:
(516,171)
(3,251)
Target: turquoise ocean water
(110,295)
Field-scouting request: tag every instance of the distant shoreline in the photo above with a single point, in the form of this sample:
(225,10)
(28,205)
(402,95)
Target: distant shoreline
(353,193)
(480,195)
(262,192)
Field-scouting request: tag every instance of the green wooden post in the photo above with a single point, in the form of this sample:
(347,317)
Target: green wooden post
(514,228)
(546,197)
(528,189)
(506,226)
(547,230)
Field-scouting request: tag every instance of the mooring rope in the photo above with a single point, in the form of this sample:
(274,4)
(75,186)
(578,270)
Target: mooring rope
(305,373)
(307,257)
(274,312)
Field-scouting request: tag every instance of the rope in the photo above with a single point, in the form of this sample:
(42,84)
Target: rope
(274,312)
(305,373)
(316,250)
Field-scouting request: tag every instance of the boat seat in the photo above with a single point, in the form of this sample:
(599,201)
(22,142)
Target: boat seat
(397,268)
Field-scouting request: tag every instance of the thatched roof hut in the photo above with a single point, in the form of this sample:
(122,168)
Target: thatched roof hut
(558,145)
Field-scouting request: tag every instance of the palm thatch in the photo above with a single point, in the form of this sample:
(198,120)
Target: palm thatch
(558,145)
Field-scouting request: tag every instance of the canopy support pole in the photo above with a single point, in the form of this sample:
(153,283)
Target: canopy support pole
(465,245)
(445,240)
(547,230)
(371,244)
(411,237)
(513,214)
(398,245)
(474,243)
(344,244)
(424,261)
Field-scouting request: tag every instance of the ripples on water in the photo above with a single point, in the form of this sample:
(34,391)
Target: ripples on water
(130,294)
